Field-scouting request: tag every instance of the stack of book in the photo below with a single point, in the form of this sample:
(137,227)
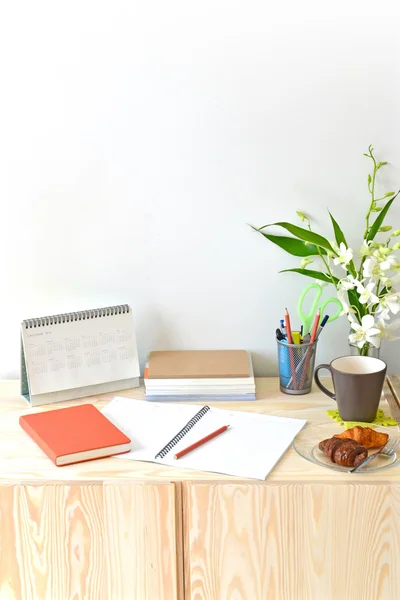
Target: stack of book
(199,375)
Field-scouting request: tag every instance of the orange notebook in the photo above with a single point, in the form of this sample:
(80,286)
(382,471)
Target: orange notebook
(74,434)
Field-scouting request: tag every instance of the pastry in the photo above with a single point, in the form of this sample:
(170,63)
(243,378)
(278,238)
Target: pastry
(347,453)
(366,436)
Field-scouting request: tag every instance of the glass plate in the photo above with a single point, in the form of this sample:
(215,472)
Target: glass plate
(306,445)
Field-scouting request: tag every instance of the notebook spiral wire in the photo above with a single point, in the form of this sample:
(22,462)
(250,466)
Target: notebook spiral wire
(181,434)
(77,316)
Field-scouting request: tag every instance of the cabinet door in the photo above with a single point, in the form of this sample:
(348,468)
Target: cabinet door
(88,541)
(291,541)
(143,538)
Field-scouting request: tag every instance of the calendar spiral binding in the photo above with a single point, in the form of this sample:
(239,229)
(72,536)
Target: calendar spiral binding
(181,434)
(81,315)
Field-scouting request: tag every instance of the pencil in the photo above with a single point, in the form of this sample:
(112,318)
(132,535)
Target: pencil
(309,350)
(315,326)
(290,341)
(203,440)
(288,328)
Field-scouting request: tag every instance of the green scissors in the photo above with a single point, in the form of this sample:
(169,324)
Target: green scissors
(307,319)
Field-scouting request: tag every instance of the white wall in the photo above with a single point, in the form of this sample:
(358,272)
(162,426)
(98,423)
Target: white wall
(137,140)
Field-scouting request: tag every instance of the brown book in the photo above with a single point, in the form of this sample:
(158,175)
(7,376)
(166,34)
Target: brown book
(198,364)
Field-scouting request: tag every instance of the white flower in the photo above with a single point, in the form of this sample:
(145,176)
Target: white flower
(347,309)
(388,263)
(384,314)
(351,316)
(390,302)
(388,329)
(345,256)
(386,281)
(348,283)
(366,294)
(366,332)
(390,282)
(371,269)
(366,249)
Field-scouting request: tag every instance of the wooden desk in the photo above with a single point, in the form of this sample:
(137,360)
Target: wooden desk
(114,529)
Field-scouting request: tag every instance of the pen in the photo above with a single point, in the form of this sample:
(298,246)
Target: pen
(203,440)
(323,323)
(279,335)
(283,327)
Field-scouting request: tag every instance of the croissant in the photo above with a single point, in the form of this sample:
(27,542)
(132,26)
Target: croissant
(346,453)
(365,436)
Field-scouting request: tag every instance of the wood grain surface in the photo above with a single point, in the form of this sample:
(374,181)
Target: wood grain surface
(291,542)
(141,542)
(21,460)
(115,529)
(88,542)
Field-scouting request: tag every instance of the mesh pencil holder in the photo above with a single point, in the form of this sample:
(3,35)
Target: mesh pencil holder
(296,367)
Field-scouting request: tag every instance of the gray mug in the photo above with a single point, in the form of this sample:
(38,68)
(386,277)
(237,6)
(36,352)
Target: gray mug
(358,383)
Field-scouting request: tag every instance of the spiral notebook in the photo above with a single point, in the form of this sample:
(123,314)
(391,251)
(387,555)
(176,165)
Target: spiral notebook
(251,447)
(78,354)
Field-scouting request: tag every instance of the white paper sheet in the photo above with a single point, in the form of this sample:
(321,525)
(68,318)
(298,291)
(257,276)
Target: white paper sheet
(251,446)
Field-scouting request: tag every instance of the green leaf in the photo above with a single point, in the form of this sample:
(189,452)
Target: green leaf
(292,245)
(354,301)
(340,238)
(303,234)
(313,274)
(379,219)
(339,235)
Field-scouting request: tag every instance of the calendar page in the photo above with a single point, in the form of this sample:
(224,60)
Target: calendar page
(93,349)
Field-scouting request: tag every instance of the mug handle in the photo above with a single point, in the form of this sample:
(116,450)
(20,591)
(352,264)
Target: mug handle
(319,384)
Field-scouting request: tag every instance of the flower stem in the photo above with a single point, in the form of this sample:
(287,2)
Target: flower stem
(371,190)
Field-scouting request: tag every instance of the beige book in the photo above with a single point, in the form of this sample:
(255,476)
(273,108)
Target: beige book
(198,364)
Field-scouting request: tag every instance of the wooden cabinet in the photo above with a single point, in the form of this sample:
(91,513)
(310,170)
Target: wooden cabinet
(113,529)
(116,541)
(257,541)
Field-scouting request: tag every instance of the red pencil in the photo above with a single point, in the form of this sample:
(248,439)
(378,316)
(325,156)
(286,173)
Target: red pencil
(309,352)
(315,326)
(208,437)
(288,327)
